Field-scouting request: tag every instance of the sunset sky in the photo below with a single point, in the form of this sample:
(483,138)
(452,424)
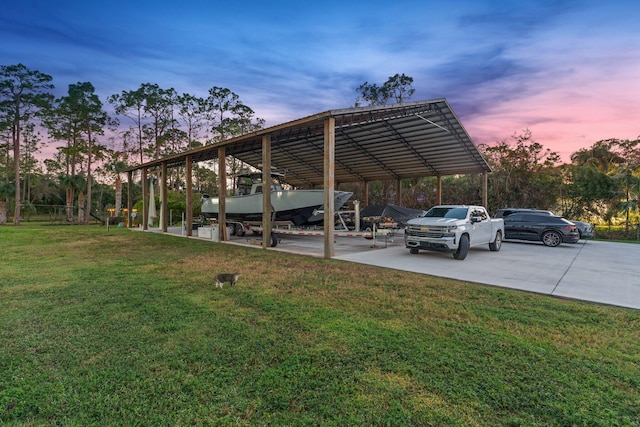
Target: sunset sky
(569,71)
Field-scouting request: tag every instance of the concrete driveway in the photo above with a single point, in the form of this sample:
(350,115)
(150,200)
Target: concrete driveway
(596,271)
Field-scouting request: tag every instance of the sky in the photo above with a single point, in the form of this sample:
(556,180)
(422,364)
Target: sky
(568,71)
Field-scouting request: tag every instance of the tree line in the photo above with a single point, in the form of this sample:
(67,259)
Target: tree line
(147,123)
(601,184)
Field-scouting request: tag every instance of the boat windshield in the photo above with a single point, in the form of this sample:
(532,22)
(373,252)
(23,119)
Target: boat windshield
(447,212)
(251,183)
(243,188)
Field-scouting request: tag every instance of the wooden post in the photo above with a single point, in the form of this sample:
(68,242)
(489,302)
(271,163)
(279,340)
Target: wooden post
(164,208)
(189,196)
(129,199)
(399,192)
(439,190)
(222,194)
(365,196)
(485,191)
(329,185)
(266,191)
(145,199)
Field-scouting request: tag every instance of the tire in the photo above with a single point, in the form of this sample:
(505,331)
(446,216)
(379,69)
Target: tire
(551,238)
(368,230)
(497,243)
(239,229)
(463,248)
(414,251)
(274,240)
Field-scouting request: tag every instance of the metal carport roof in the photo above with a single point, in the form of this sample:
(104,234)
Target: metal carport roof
(422,138)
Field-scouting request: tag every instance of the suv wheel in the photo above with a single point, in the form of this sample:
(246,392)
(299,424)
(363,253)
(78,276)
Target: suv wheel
(551,238)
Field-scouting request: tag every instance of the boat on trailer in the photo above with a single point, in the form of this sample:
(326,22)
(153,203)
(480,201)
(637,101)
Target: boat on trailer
(301,207)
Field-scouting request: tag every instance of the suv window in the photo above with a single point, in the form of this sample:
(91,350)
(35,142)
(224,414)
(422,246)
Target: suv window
(557,220)
(517,217)
(541,217)
(536,218)
(501,213)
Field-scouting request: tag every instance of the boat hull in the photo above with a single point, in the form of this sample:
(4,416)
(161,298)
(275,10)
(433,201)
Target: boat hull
(297,206)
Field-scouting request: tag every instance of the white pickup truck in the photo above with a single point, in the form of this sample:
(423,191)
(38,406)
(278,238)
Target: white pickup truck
(454,228)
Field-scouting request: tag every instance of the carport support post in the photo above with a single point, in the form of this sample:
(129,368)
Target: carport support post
(145,199)
(365,196)
(222,194)
(485,192)
(438,190)
(129,198)
(164,209)
(399,192)
(329,185)
(266,191)
(189,196)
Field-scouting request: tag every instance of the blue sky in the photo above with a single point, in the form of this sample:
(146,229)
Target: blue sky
(567,70)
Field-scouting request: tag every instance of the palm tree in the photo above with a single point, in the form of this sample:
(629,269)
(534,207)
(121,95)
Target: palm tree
(600,155)
(116,167)
(629,182)
(71,184)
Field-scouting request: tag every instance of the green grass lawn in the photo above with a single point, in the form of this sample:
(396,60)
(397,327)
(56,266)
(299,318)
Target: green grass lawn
(123,327)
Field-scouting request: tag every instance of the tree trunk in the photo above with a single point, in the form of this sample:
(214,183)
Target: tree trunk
(69,209)
(81,211)
(627,209)
(3,212)
(118,195)
(16,164)
(90,148)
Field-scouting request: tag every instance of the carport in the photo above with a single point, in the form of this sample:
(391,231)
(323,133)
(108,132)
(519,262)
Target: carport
(362,144)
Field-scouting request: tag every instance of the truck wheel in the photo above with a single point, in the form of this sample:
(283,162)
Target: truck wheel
(551,238)
(414,251)
(497,243)
(463,248)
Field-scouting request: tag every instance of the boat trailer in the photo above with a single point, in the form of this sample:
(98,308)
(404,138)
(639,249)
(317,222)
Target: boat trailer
(380,227)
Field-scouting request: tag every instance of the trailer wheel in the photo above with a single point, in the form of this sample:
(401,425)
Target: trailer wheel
(370,235)
(274,240)
(239,229)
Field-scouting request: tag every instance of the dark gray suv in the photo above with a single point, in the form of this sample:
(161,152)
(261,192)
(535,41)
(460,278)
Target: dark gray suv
(585,229)
(551,230)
